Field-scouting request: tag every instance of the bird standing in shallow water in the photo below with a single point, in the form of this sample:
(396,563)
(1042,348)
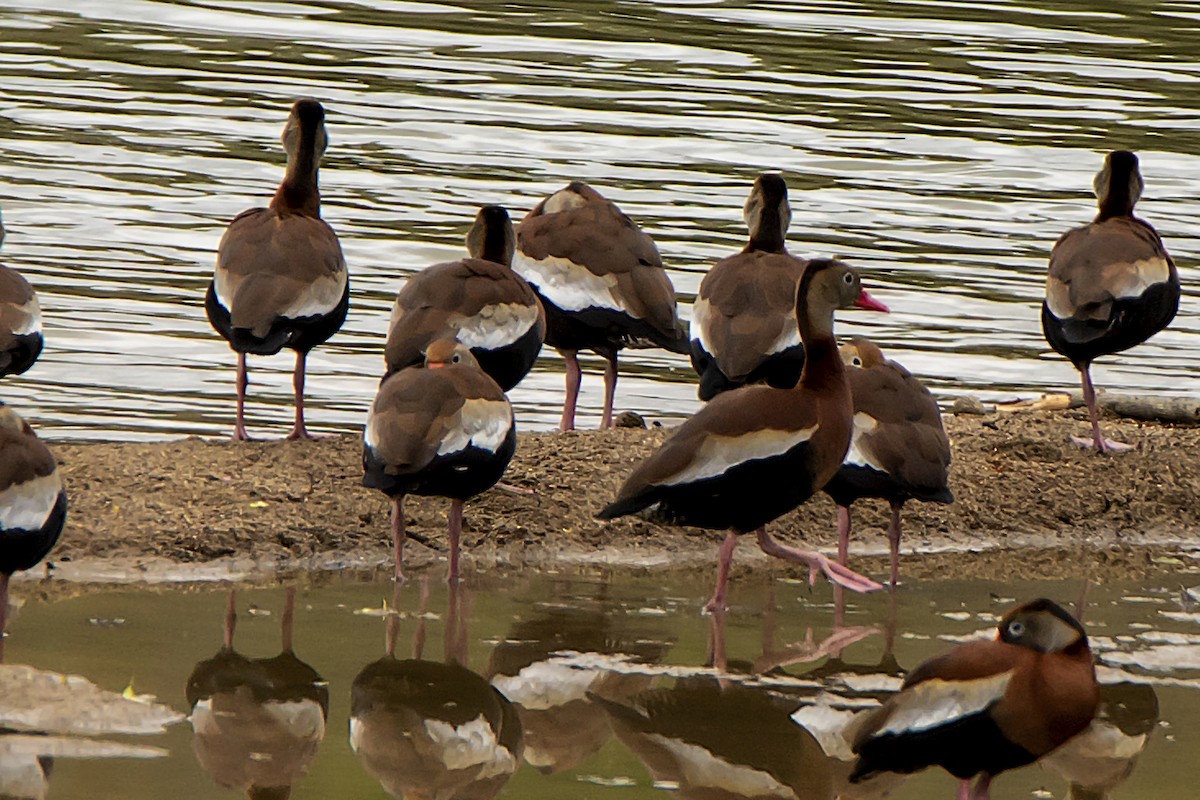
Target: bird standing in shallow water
(744,321)
(755,453)
(898,451)
(987,706)
(281,279)
(1112,284)
(443,429)
(602,283)
(33,505)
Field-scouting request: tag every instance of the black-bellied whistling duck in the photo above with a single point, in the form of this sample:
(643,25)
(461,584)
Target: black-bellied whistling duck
(20,321)
(602,283)
(478,300)
(755,453)
(257,722)
(33,504)
(743,321)
(898,451)
(1112,284)
(990,705)
(444,428)
(281,279)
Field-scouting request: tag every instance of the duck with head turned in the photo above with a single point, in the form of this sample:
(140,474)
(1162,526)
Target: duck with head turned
(20,321)
(281,279)
(988,705)
(444,429)
(755,453)
(1112,284)
(602,283)
(743,321)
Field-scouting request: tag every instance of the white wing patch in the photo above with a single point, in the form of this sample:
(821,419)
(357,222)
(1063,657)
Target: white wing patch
(472,744)
(1132,280)
(482,423)
(933,703)
(568,285)
(319,299)
(788,339)
(495,326)
(858,455)
(720,453)
(702,770)
(25,506)
(546,684)
(700,310)
(31,318)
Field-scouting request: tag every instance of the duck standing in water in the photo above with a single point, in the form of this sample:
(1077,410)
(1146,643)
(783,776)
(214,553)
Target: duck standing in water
(281,279)
(1112,284)
(755,453)
(602,283)
(987,706)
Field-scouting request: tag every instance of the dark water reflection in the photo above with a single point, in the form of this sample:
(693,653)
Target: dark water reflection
(589,686)
(941,146)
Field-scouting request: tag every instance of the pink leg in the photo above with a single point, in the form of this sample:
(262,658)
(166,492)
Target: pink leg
(574,378)
(1097,441)
(964,790)
(983,788)
(455,531)
(835,572)
(610,392)
(716,603)
(243,380)
(893,535)
(298,429)
(230,620)
(288,621)
(4,576)
(843,518)
(398,536)
(716,641)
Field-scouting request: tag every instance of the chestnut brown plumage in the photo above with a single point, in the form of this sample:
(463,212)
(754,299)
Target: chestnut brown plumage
(744,321)
(281,279)
(1112,284)
(755,453)
(20,324)
(601,281)
(443,428)
(478,300)
(988,706)
(898,450)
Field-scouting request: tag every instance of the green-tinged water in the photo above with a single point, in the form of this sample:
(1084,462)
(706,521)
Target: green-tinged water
(546,640)
(941,146)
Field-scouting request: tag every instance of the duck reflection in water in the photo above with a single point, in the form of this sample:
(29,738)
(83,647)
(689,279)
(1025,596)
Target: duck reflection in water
(563,727)
(257,722)
(433,730)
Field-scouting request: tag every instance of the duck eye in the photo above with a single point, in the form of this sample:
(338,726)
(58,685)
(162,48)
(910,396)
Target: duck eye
(857,361)
(1016,629)
(456,358)
(848,278)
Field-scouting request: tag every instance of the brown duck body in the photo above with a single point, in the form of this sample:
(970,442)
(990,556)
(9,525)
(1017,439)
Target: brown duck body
(20,323)
(743,321)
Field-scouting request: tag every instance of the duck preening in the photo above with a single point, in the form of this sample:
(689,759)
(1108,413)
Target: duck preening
(898,450)
(744,321)
(478,300)
(443,428)
(20,321)
(602,283)
(281,279)
(33,504)
(989,705)
(755,453)
(1112,284)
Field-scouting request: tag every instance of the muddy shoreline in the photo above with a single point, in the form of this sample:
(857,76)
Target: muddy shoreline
(1029,505)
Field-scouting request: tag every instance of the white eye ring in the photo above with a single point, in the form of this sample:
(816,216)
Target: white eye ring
(848,278)
(456,358)
(857,361)
(1016,629)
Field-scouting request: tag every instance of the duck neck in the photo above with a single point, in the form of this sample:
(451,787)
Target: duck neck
(768,234)
(1118,198)
(299,192)
(497,244)
(822,362)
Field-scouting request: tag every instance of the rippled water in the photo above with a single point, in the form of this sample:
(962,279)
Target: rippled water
(942,146)
(546,640)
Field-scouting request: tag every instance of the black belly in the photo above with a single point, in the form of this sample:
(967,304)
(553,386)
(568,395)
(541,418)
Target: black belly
(779,370)
(301,334)
(857,482)
(1132,322)
(601,330)
(507,365)
(21,353)
(23,549)
(459,476)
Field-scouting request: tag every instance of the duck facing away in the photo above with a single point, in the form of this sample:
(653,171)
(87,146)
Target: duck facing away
(602,283)
(744,322)
(898,450)
(478,300)
(281,279)
(1112,284)
(987,706)
(20,321)
(33,504)
(444,429)
(755,453)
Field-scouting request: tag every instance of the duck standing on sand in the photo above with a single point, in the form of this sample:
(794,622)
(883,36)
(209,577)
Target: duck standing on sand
(755,453)
(989,705)
(602,283)
(898,451)
(281,279)
(1112,284)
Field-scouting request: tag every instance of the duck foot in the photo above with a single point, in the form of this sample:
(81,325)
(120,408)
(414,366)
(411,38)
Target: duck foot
(1102,444)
